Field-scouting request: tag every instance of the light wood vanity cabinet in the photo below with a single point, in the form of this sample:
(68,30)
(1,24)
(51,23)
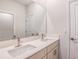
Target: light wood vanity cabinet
(53,54)
(40,55)
(45,57)
(50,52)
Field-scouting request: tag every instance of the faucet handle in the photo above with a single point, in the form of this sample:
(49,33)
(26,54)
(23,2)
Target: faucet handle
(14,37)
(43,34)
(18,38)
(33,34)
(18,42)
(37,34)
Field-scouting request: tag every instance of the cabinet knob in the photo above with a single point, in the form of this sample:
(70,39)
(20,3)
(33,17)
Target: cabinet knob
(54,53)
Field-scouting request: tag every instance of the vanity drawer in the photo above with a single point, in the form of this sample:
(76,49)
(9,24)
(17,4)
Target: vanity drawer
(38,55)
(52,46)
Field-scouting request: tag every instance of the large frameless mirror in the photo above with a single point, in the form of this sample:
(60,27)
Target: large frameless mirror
(21,19)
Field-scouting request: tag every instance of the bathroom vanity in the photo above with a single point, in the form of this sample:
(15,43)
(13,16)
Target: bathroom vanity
(47,49)
(49,52)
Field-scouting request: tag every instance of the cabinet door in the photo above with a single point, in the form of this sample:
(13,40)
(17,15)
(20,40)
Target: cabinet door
(44,57)
(39,55)
(53,54)
(52,46)
(50,55)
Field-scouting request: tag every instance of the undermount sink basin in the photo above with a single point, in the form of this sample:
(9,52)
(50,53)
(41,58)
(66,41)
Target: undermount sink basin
(20,50)
(44,40)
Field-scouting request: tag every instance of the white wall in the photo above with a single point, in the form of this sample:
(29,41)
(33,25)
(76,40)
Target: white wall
(57,14)
(58,23)
(19,12)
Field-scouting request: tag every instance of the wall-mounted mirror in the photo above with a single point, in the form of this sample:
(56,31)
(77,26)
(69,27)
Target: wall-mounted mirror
(21,18)
(36,19)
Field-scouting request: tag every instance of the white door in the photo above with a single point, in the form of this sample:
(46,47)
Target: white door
(73,30)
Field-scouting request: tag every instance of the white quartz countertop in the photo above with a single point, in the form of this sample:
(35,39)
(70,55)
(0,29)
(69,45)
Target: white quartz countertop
(39,44)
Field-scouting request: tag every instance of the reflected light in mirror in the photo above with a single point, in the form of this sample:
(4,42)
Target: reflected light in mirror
(5,14)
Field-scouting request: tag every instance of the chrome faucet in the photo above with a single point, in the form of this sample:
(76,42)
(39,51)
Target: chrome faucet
(43,35)
(18,42)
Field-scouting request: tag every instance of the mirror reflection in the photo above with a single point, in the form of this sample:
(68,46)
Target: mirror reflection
(19,19)
(6,26)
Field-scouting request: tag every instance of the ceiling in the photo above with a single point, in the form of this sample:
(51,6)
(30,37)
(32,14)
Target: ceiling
(28,2)
(25,2)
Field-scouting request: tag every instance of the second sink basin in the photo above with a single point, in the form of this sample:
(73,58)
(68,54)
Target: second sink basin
(20,50)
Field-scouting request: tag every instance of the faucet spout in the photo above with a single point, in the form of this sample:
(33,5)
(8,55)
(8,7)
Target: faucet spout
(18,42)
(43,35)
